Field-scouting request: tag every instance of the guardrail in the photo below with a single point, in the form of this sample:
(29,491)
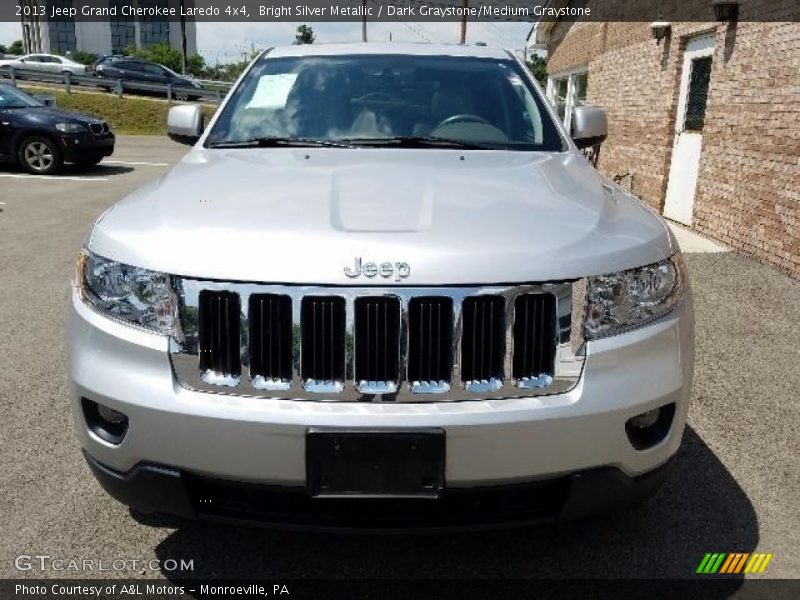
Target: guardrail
(119,86)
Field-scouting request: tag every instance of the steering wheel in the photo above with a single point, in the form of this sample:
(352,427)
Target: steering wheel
(464,118)
(379,98)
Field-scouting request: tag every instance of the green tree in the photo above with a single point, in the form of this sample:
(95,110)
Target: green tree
(16,48)
(85,58)
(196,66)
(164,54)
(305,35)
(3,49)
(538,68)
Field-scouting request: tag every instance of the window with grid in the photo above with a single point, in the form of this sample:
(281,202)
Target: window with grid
(697,97)
(567,92)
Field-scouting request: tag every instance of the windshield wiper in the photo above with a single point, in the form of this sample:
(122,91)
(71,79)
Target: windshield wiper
(274,142)
(406,141)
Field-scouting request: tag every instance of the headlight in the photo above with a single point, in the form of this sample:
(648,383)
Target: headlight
(623,301)
(127,293)
(71,127)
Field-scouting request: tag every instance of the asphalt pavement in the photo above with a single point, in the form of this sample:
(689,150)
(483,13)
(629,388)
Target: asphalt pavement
(735,486)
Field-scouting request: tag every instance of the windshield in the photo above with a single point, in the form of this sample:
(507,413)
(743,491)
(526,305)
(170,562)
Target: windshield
(170,71)
(370,99)
(13,98)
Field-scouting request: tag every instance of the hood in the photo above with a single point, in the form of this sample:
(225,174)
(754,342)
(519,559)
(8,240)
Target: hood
(51,116)
(305,215)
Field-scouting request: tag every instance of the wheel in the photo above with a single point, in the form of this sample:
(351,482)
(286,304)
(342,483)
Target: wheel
(89,162)
(182,96)
(40,155)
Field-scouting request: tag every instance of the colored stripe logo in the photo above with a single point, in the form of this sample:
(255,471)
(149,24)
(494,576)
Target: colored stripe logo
(735,562)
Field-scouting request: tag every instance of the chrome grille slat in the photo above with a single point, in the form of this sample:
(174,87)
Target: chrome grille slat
(219,340)
(535,333)
(270,341)
(483,340)
(323,341)
(377,344)
(463,370)
(431,341)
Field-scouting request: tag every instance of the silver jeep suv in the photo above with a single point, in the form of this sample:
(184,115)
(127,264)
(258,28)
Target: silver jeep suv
(383,289)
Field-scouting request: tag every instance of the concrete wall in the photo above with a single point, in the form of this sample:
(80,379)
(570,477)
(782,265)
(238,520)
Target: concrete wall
(96,36)
(93,36)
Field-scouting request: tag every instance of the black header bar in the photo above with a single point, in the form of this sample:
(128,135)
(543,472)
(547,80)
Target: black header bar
(397,10)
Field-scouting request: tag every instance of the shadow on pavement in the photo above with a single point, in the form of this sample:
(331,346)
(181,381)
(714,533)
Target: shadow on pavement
(700,509)
(100,170)
(71,170)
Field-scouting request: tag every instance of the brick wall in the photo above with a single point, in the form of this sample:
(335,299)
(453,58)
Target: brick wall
(748,191)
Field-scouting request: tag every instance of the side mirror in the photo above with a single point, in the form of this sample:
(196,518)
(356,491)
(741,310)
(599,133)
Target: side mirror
(46,99)
(589,126)
(185,123)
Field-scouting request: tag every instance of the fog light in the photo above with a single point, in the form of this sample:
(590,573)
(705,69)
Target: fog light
(109,414)
(650,428)
(646,419)
(106,423)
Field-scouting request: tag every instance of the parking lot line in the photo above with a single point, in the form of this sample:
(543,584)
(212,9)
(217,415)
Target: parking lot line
(135,163)
(53,177)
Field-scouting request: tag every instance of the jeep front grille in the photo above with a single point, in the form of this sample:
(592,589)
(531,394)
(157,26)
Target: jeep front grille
(378,344)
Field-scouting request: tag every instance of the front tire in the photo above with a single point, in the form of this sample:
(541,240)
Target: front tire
(40,155)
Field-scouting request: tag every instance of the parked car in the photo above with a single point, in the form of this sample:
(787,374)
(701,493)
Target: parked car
(383,289)
(43,63)
(42,139)
(132,71)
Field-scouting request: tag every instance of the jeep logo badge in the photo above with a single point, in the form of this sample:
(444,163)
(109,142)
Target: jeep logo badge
(398,270)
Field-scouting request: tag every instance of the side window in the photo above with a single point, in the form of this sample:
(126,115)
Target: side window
(581,85)
(560,89)
(566,92)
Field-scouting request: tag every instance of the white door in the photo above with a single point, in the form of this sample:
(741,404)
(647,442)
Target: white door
(695,78)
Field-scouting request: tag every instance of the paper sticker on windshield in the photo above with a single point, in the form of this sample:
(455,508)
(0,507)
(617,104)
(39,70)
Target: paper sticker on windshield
(272,91)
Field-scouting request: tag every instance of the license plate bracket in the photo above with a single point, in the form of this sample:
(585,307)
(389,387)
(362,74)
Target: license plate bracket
(375,463)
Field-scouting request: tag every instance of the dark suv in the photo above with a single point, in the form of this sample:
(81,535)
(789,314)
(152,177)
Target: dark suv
(133,71)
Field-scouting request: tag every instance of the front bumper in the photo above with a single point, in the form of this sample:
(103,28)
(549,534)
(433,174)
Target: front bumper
(152,488)
(490,443)
(82,146)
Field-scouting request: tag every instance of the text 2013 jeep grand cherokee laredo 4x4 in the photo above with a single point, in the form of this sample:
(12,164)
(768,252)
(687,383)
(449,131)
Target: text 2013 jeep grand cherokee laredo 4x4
(384,288)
